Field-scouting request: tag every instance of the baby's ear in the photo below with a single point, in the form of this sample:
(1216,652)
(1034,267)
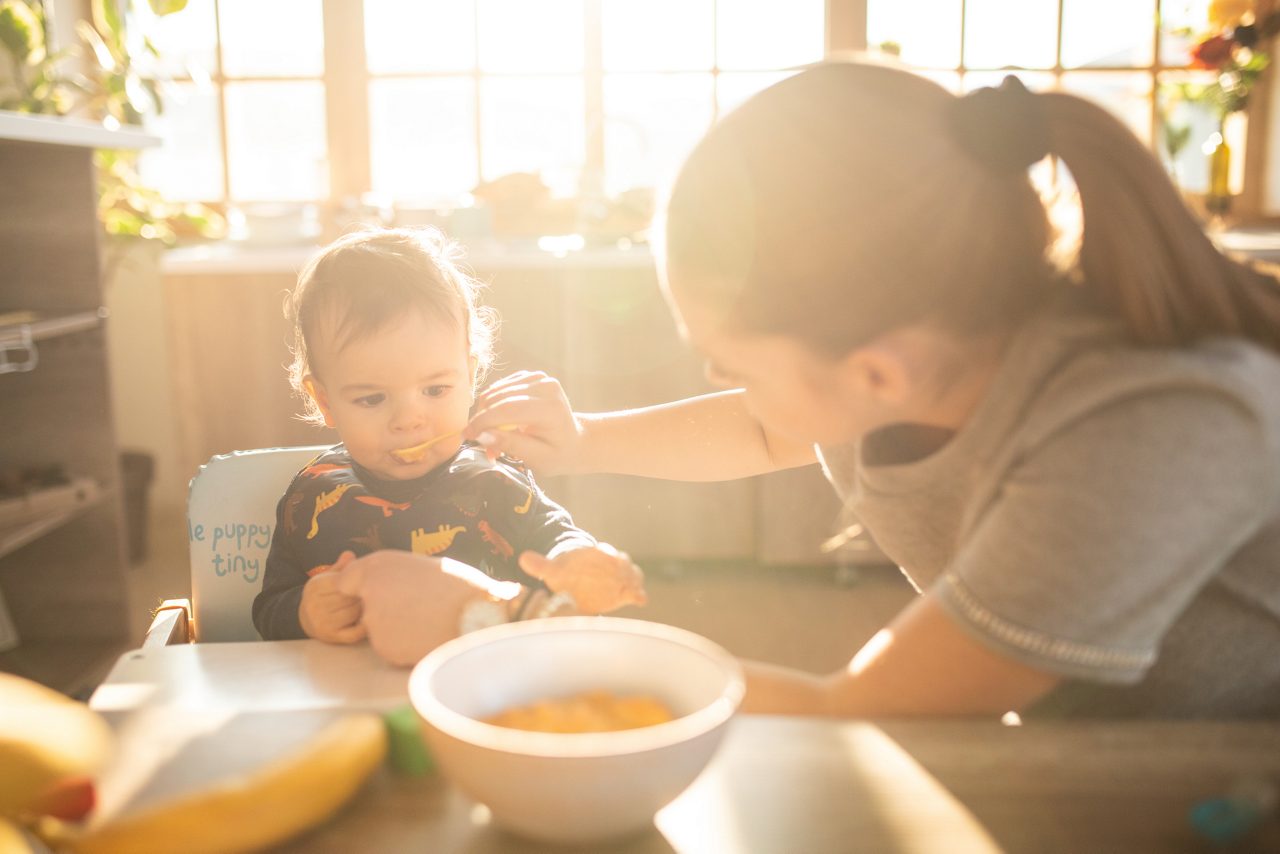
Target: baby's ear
(319,395)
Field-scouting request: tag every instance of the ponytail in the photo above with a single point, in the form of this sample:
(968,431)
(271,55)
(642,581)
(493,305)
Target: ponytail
(1142,252)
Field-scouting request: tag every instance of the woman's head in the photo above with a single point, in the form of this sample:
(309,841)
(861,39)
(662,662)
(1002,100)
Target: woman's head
(852,203)
(839,204)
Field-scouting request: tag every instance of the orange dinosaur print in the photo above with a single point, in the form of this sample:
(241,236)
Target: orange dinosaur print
(382,504)
(291,507)
(322,468)
(324,501)
(495,540)
(423,543)
(528,502)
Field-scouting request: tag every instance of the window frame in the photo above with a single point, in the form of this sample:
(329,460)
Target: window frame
(346,80)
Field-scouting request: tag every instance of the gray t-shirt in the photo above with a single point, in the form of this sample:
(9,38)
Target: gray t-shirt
(1110,513)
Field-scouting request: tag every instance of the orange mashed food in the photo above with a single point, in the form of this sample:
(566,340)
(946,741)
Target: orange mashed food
(591,711)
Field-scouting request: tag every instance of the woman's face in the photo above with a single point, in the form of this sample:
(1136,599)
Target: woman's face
(791,390)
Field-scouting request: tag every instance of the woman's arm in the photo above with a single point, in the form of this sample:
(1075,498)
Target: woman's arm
(921,664)
(712,437)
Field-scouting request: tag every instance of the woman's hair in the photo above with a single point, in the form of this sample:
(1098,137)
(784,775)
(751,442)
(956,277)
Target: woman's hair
(854,198)
(366,280)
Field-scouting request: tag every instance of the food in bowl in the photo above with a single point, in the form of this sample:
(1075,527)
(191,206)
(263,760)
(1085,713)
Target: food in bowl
(590,711)
(575,788)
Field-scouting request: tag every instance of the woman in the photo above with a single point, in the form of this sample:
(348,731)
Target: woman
(1079,466)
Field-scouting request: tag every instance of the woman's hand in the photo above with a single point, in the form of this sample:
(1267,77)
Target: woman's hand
(326,613)
(599,579)
(412,603)
(547,435)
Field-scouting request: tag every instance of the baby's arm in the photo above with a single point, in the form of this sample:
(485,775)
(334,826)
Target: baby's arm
(295,602)
(599,578)
(547,546)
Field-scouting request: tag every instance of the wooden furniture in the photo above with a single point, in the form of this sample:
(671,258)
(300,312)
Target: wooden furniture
(62,557)
(777,785)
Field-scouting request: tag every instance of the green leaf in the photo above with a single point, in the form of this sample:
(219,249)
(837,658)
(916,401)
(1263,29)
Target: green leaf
(167,7)
(108,20)
(21,31)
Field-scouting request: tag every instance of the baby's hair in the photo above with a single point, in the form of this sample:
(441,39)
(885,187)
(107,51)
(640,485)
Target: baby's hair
(366,280)
(848,200)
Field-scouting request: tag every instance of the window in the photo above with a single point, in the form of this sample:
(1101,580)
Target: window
(418,101)
(597,96)
(1126,55)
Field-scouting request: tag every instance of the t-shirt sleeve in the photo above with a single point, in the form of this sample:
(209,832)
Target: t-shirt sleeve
(275,608)
(529,519)
(1105,531)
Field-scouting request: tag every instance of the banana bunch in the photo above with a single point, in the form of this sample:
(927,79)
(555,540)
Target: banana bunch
(50,747)
(240,814)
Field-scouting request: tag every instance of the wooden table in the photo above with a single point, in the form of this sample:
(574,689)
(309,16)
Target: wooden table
(777,784)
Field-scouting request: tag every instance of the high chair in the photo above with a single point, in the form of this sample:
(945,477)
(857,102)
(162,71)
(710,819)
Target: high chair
(231,513)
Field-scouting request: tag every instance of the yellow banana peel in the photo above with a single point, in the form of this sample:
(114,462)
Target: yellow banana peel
(12,841)
(44,737)
(243,814)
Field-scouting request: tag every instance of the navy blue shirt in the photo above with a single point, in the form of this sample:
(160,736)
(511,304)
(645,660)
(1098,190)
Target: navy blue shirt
(470,508)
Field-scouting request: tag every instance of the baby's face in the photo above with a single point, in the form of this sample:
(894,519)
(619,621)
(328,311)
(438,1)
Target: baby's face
(395,389)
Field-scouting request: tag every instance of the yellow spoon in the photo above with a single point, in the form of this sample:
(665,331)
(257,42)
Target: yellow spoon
(417,452)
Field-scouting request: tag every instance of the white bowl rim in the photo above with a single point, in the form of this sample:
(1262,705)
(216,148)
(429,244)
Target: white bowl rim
(576,745)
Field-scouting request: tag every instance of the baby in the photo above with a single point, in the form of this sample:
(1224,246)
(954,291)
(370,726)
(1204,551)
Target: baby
(389,343)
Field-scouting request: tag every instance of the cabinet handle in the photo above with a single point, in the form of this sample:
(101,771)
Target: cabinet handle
(26,345)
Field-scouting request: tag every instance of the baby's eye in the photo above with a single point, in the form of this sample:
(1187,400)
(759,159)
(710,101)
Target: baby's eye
(370,400)
(438,390)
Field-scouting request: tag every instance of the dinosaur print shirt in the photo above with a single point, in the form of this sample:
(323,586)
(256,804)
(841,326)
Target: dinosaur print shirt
(481,512)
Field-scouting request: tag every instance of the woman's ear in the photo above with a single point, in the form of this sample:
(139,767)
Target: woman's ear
(320,396)
(880,371)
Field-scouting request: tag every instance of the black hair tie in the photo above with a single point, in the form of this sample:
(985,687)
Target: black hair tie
(1003,128)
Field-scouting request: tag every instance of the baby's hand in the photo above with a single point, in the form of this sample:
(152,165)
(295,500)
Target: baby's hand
(600,579)
(328,614)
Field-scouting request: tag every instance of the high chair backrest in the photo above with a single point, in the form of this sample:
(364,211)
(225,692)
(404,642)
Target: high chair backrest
(231,513)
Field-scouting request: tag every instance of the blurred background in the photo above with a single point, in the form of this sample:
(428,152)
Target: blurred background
(242,134)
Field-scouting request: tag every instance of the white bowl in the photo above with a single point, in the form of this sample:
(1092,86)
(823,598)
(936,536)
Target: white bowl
(574,787)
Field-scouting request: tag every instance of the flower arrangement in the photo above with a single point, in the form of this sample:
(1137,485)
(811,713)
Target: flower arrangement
(1233,49)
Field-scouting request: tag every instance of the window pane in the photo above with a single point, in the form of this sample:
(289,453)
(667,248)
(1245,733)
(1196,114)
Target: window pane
(936,45)
(419,35)
(651,122)
(187,41)
(1035,81)
(279,38)
(532,124)
(949,80)
(1127,95)
(1108,34)
(422,138)
(658,35)
(519,35)
(1017,33)
(1185,127)
(760,34)
(276,141)
(732,88)
(188,166)
(1180,22)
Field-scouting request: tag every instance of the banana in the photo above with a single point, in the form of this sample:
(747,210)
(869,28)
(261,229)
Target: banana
(12,840)
(248,813)
(45,737)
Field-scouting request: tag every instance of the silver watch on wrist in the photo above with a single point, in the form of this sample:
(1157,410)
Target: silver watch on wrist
(481,614)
